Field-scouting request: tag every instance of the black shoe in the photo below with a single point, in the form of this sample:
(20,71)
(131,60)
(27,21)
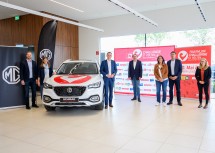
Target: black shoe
(169,103)
(139,100)
(35,106)
(200,106)
(180,104)
(111,105)
(106,106)
(134,98)
(27,107)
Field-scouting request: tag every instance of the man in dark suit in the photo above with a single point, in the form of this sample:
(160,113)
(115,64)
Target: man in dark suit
(135,75)
(108,69)
(28,76)
(174,75)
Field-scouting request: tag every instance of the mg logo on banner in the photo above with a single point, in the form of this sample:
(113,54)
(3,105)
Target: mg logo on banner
(46,53)
(11,75)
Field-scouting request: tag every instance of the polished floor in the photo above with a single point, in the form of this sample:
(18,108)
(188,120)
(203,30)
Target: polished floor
(129,127)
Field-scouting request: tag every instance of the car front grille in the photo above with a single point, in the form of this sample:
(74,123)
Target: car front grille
(70,91)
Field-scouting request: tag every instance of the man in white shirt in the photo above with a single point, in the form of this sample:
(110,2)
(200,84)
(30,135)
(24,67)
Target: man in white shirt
(135,75)
(28,77)
(174,75)
(108,69)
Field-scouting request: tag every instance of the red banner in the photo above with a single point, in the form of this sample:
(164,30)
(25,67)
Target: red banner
(190,57)
(148,57)
(143,53)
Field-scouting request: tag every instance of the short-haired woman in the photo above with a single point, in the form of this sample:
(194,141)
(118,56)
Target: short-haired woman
(203,75)
(45,71)
(161,79)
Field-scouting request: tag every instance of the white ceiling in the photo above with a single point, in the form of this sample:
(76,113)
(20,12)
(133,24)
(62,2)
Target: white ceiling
(93,9)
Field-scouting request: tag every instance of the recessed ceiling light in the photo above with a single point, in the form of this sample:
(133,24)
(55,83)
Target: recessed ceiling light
(200,10)
(130,10)
(67,6)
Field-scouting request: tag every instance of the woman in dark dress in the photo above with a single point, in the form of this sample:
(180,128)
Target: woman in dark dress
(45,71)
(203,75)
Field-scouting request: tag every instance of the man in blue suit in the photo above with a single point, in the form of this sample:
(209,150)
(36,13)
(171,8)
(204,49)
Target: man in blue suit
(135,75)
(174,75)
(108,69)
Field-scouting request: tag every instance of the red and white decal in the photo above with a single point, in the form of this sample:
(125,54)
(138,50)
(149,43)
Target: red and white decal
(72,79)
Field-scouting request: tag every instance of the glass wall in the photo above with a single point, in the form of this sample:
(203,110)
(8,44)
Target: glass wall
(178,38)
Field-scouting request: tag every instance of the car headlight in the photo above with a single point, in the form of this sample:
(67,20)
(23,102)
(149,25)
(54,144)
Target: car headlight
(47,86)
(94,85)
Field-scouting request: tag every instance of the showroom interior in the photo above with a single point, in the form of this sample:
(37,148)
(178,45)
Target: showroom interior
(72,31)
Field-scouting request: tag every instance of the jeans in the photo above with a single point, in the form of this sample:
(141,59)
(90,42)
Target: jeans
(206,88)
(136,87)
(30,83)
(178,91)
(108,87)
(158,90)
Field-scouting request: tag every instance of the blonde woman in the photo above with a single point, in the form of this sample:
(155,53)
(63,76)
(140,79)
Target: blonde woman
(203,75)
(161,79)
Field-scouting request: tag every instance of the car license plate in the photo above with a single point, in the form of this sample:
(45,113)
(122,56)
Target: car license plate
(69,99)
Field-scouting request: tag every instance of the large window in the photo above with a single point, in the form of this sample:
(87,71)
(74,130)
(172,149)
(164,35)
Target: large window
(178,38)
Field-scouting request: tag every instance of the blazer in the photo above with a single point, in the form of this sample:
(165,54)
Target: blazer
(164,71)
(177,69)
(207,75)
(104,69)
(137,72)
(41,73)
(24,70)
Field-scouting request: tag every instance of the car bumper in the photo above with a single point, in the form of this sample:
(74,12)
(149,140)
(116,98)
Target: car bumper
(84,100)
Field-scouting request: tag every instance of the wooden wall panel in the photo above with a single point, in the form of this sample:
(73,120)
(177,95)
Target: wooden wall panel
(27,30)
(58,56)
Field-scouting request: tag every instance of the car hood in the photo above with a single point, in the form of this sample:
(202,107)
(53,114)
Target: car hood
(73,80)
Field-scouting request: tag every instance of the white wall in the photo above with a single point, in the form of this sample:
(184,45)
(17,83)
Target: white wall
(172,19)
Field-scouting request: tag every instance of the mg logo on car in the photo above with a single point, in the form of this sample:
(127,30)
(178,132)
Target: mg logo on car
(46,53)
(11,75)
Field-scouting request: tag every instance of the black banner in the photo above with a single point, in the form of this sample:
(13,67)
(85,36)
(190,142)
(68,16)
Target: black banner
(11,91)
(46,45)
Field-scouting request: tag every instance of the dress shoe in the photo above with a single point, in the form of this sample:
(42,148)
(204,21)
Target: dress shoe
(180,104)
(139,100)
(206,106)
(35,106)
(111,105)
(27,107)
(169,103)
(134,98)
(200,106)
(106,106)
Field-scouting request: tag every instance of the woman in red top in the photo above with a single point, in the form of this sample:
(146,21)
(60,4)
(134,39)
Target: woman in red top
(203,75)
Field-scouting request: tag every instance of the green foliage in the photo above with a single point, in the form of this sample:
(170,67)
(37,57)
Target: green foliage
(201,36)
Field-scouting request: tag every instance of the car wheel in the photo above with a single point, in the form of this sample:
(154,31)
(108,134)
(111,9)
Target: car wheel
(48,108)
(101,105)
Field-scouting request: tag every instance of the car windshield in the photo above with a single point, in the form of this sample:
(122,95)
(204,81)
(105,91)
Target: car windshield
(78,68)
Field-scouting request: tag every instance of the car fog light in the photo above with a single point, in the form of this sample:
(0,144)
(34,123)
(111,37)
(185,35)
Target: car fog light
(47,99)
(94,98)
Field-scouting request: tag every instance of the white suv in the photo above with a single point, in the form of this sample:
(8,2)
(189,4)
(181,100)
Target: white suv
(76,84)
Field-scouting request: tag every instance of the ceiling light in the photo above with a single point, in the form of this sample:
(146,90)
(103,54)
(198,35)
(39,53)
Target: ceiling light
(66,6)
(125,7)
(8,5)
(203,16)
